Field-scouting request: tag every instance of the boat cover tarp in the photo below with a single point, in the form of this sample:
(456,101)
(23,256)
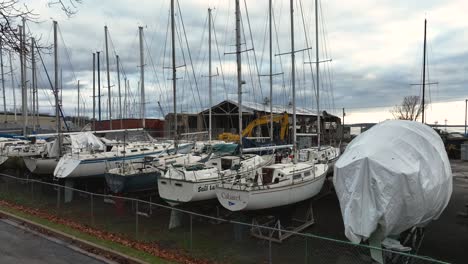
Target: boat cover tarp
(392,177)
(86,140)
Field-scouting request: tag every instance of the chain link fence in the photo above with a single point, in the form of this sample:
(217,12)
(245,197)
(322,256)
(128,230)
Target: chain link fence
(206,234)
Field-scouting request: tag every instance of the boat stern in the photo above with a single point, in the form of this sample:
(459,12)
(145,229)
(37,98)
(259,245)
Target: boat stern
(232,199)
(66,167)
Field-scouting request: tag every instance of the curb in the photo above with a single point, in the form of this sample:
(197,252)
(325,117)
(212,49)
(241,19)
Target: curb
(68,241)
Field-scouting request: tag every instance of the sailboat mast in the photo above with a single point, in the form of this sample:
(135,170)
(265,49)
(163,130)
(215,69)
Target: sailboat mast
(13,85)
(120,93)
(174,75)
(34,84)
(24,100)
(209,76)
(424,74)
(33,80)
(239,70)
(270,8)
(56,85)
(78,110)
(109,95)
(3,82)
(293,81)
(94,91)
(142,77)
(317,77)
(99,84)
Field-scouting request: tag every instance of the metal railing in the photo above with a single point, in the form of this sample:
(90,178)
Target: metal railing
(212,235)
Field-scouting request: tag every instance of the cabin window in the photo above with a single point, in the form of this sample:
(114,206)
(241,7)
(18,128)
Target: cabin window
(144,149)
(226,164)
(297,176)
(122,152)
(133,150)
(163,182)
(178,184)
(307,174)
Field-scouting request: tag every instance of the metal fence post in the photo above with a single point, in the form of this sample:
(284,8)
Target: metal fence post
(32,190)
(270,260)
(136,221)
(191,234)
(92,210)
(58,197)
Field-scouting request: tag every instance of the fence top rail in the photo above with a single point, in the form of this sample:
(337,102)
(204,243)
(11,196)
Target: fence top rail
(305,235)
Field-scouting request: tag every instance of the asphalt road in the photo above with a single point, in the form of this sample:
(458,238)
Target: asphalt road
(20,246)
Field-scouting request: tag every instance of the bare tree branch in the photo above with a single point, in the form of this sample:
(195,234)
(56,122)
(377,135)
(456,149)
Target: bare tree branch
(410,109)
(11,14)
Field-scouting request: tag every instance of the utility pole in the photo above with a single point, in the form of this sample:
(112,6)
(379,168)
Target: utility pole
(99,85)
(209,77)
(174,72)
(424,74)
(3,82)
(466,104)
(94,91)
(317,77)
(142,81)
(239,71)
(108,80)
(56,84)
(13,86)
(120,94)
(342,126)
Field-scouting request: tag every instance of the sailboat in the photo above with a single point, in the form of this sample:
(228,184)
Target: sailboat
(197,182)
(278,184)
(325,154)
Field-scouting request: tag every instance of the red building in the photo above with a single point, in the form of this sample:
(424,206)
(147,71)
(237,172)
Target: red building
(154,126)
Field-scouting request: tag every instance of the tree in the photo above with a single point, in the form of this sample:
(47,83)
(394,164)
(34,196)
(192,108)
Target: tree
(410,108)
(11,13)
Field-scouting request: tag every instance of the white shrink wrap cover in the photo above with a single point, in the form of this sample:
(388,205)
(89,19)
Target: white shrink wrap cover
(86,140)
(392,177)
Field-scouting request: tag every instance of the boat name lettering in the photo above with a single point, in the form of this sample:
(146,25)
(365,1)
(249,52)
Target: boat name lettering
(230,196)
(208,187)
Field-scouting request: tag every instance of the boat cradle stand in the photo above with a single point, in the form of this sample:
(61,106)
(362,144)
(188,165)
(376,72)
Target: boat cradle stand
(275,232)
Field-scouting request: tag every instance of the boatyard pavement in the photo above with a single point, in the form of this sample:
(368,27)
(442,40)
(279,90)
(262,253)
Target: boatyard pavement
(21,245)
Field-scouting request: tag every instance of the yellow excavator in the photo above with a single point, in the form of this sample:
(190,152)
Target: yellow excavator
(283,119)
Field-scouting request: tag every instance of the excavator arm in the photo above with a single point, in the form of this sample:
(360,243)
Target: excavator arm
(263,120)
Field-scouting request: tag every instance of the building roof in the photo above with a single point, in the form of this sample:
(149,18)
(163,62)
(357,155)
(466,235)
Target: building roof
(251,107)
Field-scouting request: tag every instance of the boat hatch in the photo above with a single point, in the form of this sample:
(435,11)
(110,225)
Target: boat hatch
(267,175)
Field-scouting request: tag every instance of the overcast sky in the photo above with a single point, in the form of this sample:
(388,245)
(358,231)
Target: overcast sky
(376,49)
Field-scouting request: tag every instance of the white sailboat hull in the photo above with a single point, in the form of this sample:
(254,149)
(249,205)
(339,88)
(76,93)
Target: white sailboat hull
(73,168)
(177,189)
(175,192)
(236,199)
(41,166)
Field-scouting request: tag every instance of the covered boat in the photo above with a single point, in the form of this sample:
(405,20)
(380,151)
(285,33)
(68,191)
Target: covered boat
(391,178)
